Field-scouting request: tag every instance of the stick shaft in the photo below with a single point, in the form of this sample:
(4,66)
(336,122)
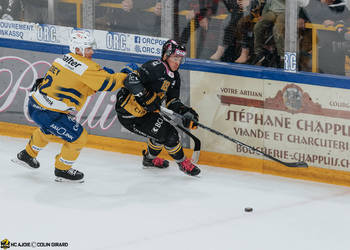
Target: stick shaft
(288,164)
(196,140)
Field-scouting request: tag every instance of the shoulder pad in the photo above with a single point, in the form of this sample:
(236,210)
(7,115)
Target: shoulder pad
(156,64)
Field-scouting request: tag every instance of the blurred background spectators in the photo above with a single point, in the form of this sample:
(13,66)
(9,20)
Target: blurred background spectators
(235,31)
(11,9)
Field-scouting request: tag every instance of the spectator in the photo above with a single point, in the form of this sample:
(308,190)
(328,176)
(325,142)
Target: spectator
(11,9)
(273,15)
(305,43)
(148,17)
(134,16)
(66,14)
(235,9)
(331,58)
(245,28)
(207,8)
(35,11)
(113,18)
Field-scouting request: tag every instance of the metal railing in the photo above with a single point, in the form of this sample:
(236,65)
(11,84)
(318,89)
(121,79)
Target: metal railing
(315,27)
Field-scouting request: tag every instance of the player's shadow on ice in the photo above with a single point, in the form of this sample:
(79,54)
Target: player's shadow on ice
(96,193)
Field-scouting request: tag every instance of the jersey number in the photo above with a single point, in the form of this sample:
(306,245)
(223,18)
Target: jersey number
(46,83)
(165,86)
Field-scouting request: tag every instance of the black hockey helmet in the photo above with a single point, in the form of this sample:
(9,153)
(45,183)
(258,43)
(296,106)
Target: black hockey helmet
(171,47)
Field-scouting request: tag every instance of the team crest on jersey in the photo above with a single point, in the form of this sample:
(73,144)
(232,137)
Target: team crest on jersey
(171,74)
(72,64)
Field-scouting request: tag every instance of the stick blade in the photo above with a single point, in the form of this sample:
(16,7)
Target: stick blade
(299,164)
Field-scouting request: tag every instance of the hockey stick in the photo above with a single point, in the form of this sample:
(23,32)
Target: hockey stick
(197,142)
(288,164)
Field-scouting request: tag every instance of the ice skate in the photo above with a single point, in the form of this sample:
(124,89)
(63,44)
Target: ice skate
(156,162)
(188,167)
(25,160)
(70,175)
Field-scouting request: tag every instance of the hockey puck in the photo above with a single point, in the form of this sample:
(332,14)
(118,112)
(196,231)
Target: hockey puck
(248,209)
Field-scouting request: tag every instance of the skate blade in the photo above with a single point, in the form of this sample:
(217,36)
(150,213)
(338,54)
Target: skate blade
(60,179)
(196,176)
(148,167)
(152,167)
(21,163)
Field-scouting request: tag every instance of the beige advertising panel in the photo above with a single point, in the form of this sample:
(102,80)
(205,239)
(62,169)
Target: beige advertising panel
(292,122)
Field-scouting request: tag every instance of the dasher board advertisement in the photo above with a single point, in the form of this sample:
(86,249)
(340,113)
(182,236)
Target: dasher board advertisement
(60,35)
(292,122)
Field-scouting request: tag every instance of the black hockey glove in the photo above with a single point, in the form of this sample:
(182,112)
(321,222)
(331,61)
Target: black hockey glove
(149,100)
(36,84)
(190,117)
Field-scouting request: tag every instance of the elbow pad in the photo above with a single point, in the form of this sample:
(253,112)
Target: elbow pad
(149,100)
(133,83)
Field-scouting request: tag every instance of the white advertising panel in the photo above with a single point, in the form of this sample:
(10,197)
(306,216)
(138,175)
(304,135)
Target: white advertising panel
(292,122)
(54,34)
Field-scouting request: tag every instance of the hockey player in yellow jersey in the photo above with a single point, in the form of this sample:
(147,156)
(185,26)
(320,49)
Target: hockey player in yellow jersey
(65,88)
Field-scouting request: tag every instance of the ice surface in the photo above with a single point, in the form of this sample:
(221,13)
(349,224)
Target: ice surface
(123,206)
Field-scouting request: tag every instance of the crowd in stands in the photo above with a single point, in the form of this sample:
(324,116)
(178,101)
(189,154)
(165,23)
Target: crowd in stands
(132,16)
(237,31)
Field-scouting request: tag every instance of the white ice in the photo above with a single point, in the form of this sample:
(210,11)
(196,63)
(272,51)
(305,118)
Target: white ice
(122,206)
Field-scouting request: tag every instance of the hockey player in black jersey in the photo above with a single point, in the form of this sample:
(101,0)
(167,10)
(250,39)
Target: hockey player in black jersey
(139,101)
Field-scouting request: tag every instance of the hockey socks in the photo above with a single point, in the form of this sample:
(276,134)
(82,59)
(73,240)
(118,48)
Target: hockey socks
(185,165)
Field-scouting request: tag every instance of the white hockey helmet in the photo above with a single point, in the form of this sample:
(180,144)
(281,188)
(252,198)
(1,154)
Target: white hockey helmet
(81,39)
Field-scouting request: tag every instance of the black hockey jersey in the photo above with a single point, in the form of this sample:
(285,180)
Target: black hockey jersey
(155,76)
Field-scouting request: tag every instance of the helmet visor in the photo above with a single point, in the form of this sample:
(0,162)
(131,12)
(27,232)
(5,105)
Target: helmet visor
(181,55)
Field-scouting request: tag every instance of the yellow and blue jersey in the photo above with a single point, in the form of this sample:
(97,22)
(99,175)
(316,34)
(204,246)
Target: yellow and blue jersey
(70,80)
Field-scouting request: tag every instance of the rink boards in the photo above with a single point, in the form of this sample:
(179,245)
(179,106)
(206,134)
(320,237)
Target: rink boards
(291,116)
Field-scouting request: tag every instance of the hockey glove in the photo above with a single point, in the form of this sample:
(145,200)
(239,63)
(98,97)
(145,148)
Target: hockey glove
(36,84)
(109,70)
(130,67)
(149,100)
(189,119)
